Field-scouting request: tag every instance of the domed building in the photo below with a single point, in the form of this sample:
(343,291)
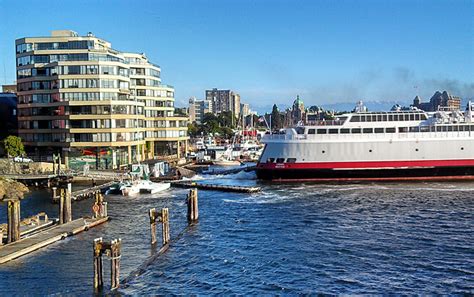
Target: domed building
(297,111)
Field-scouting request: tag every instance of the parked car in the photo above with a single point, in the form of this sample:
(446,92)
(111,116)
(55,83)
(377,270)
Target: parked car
(22,159)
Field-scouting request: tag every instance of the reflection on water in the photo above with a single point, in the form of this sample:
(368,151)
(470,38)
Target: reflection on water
(291,238)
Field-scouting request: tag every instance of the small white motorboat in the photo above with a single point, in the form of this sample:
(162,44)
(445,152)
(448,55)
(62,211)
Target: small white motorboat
(144,187)
(148,187)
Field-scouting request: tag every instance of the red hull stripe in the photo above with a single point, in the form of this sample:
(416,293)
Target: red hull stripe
(368,164)
(381,179)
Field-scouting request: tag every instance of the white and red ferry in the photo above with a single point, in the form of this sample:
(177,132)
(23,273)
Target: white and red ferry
(395,145)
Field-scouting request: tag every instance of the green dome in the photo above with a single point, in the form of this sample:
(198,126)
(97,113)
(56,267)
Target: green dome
(298,101)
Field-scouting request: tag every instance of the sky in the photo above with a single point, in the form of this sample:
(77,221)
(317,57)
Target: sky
(326,51)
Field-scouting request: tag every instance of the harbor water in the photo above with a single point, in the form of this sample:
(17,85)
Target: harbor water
(403,238)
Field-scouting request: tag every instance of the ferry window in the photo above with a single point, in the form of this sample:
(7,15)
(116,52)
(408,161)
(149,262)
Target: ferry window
(425,129)
(333,131)
(367,130)
(402,129)
(438,129)
(355,119)
(389,130)
(378,130)
(291,160)
(299,130)
(280,160)
(311,131)
(444,128)
(369,118)
(423,117)
(395,117)
(464,128)
(321,131)
(450,128)
(362,118)
(414,129)
(472,127)
(355,130)
(374,118)
(390,117)
(379,118)
(412,117)
(433,129)
(417,117)
(270,160)
(346,131)
(384,117)
(455,128)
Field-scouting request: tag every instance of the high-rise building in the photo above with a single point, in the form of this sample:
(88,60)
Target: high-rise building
(93,104)
(198,108)
(224,100)
(245,109)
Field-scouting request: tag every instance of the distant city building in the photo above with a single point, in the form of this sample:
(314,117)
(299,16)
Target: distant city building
(297,111)
(198,108)
(9,88)
(93,104)
(8,114)
(224,100)
(443,101)
(245,109)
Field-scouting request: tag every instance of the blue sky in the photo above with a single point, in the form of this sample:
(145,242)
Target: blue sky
(269,51)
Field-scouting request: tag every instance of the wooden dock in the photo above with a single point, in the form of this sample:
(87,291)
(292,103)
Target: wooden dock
(214,187)
(86,193)
(34,242)
(90,192)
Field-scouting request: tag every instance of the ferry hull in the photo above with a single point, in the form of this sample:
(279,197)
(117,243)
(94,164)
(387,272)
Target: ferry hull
(387,174)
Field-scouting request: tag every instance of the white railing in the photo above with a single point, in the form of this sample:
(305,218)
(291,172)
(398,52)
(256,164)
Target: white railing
(367,136)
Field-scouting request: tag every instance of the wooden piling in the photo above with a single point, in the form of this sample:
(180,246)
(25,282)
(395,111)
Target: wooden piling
(62,199)
(113,249)
(98,273)
(152,216)
(193,209)
(163,217)
(55,194)
(13,231)
(67,205)
(165,225)
(115,255)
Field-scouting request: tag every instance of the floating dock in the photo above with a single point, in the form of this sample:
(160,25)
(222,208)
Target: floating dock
(214,187)
(34,242)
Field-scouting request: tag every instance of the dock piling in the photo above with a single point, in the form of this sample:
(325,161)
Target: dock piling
(113,250)
(100,206)
(98,273)
(67,206)
(13,231)
(152,215)
(115,255)
(165,224)
(193,210)
(54,194)
(163,217)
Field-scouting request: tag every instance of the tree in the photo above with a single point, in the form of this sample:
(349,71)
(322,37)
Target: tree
(193,129)
(13,146)
(210,124)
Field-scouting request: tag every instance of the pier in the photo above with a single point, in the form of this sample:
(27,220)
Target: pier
(34,242)
(214,187)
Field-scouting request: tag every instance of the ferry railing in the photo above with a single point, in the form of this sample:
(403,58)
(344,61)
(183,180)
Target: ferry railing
(368,136)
